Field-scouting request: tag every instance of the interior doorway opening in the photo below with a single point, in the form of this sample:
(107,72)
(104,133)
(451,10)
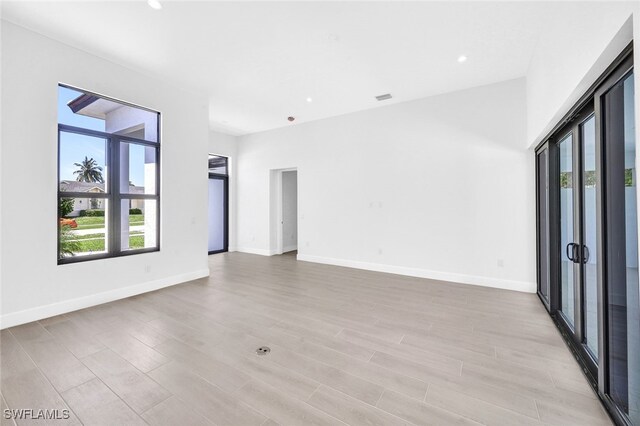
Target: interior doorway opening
(284,211)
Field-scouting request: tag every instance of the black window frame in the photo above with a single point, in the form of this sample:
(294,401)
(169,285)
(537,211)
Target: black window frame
(113,195)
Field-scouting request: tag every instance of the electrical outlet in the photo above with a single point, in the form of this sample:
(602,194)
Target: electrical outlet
(500,263)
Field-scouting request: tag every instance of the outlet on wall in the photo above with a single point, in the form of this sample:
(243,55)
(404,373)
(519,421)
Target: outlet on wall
(500,263)
(147,268)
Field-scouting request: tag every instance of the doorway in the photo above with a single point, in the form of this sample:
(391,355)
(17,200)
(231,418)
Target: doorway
(289,211)
(218,216)
(284,211)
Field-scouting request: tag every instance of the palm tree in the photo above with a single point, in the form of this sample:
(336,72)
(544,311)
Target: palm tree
(88,171)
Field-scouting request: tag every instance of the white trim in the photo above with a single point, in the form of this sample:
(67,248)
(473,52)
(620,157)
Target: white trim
(523,286)
(290,248)
(58,308)
(261,252)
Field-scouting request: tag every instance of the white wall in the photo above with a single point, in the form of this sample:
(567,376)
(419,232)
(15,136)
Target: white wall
(441,187)
(33,285)
(289,211)
(227,146)
(576,46)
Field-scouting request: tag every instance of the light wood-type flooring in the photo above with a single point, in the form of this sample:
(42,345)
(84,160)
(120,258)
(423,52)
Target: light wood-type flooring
(347,347)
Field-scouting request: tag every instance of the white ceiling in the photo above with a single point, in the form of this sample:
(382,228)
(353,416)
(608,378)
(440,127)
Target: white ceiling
(259,61)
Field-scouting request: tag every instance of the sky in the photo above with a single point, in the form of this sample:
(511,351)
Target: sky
(74,147)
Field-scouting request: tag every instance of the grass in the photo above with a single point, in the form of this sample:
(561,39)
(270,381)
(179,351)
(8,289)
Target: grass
(97,244)
(99,236)
(97,222)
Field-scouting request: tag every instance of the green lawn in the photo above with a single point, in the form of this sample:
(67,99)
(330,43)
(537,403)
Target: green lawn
(86,245)
(95,242)
(96,222)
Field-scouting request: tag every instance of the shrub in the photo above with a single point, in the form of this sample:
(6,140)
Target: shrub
(135,211)
(65,207)
(92,213)
(68,246)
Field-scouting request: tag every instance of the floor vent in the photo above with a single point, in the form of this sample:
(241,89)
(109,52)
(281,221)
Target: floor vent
(263,350)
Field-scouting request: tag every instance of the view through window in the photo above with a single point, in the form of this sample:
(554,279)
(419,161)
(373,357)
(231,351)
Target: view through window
(108,177)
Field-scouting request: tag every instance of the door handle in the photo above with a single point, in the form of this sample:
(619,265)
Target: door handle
(571,257)
(575,252)
(585,254)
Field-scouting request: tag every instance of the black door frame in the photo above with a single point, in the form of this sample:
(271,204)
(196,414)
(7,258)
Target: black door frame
(225,180)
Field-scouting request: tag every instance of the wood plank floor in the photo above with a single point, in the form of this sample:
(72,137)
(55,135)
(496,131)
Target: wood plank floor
(347,347)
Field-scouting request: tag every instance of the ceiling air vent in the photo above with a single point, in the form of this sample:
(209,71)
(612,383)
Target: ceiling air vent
(383,97)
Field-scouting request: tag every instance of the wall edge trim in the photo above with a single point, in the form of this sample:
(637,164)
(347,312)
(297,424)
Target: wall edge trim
(58,308)
(521,286)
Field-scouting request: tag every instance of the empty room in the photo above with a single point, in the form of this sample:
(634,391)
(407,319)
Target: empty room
(319,212)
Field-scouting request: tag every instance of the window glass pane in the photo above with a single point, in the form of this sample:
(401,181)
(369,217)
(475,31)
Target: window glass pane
(566,228)
(82,231)
(218,165)
(589,218)
(89,111)
(82,163)
(139,224)
(217,212)
(623,289)
(138,169)
(67,116)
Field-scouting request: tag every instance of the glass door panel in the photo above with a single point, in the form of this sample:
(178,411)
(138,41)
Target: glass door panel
(589,255)
(217,214)
(543,224)
(568,251)
(622,300)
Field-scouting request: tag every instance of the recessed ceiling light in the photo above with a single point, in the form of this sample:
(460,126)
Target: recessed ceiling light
(462,58)
(154,4)
(309,100)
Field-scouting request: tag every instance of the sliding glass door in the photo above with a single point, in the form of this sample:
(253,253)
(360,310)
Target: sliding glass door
(589,235)
(577,187)
(587,217)
(621,279)
(567,241)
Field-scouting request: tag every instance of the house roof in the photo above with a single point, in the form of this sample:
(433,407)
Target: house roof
(75,186)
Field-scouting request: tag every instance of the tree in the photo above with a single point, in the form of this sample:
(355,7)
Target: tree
(88,171)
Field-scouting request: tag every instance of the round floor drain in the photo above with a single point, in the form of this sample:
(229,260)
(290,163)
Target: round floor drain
(263,350)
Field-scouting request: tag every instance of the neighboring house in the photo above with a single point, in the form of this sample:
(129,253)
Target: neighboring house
(95,203)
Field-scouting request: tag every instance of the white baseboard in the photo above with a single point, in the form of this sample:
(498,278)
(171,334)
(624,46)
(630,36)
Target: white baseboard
(261,252)
(523,286)
(289,248)
(66,306)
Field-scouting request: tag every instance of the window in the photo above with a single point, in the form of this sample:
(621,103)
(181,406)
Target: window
(108,177)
